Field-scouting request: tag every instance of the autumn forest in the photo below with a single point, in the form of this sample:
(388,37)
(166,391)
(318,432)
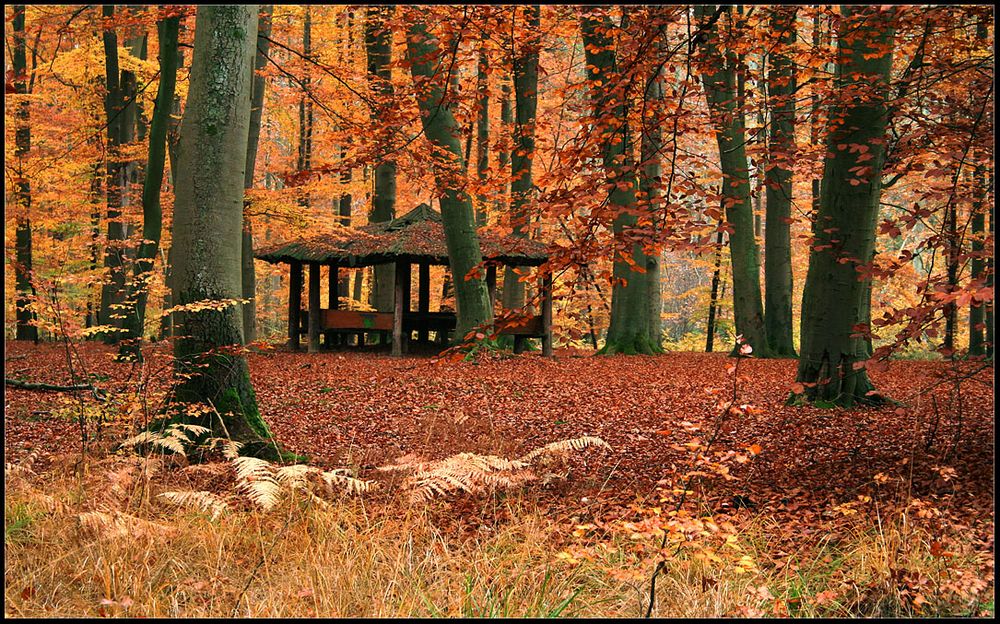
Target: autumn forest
(499,311)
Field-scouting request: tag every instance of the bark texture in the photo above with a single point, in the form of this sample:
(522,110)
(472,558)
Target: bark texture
(441,129)
(208,225)
(833,351)
(778,182)
(256,111)
(152,214)
(25,329)
(629,329)
(720,82)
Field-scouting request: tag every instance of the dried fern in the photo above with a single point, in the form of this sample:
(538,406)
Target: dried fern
(255,477)
(470,472)
(174,438)
(565,446)
(203,501)
(350,484)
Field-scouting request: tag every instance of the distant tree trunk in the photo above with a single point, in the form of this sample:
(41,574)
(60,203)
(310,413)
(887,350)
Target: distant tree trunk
(778,180)
(650,194)
(482,128)
(256,112)
(378,47)
(344,210)
(952,251)
(442,131)
(713,301)
(173,139)
(304,161)
(26,329)
(629,330)
(727,117)
(152,215)
(112,292)
(990,329)
(978,233)
(844,233)
(522,158)
(208,225)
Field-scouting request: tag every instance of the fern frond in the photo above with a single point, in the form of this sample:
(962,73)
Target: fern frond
(564,446)
(255,477)
(230,448)
(350,484)
(296,475)
(203,501)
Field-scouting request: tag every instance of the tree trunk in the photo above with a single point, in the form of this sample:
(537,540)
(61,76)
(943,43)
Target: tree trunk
(482,129)
(522,157)
(629,330)
(112,291)
(778,182)
(976,309)
(831,364)
(378,47)
(256,112)
(152,215)
(26,329)
(727,116)
(442,131)
(208,225)
(713,301)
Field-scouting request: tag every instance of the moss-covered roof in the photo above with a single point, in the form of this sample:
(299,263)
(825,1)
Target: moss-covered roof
(417,236)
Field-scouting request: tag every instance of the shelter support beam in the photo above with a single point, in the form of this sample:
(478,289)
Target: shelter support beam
(294,303)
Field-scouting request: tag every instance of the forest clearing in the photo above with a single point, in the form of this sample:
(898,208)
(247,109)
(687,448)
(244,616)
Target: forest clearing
(481,311)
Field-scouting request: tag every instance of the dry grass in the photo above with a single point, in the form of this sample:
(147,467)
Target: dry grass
(75,549)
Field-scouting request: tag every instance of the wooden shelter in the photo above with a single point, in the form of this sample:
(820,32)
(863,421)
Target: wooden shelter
(414,238)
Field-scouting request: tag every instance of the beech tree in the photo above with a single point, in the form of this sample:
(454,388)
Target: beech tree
(719,75)
(378,50)
(208,226)
(442,131)
(152,214)
(630,329)
(26,329)
(833,351)
(256,112)
(778,182)
(525,66)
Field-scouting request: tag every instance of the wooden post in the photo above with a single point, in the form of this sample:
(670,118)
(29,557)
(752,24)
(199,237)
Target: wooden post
(334,297)
(294,303)
(423,297)
(314,307)
(491,283)
(333,300)
(547,316)
(399,275)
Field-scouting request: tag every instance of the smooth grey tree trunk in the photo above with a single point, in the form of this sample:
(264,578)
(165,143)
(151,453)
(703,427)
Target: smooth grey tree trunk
(522,157)
(152,214)
(720,81)
(208,225)
(831,361)
(442,131)
(256,112)
(778,183)
(629,329)
(378,48)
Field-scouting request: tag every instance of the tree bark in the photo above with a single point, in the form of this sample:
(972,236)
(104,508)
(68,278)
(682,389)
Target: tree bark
(256,112)
(442,132)
(208,225)
(629,330)
(522,158)
(378,48)
(482,129)
(778,182)
(152,214)
(727,117)
(831,364)
(25,328)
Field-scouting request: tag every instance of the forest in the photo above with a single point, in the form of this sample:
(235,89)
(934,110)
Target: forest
(499,311)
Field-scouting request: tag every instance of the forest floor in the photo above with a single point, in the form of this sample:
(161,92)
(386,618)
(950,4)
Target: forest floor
(807,473)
